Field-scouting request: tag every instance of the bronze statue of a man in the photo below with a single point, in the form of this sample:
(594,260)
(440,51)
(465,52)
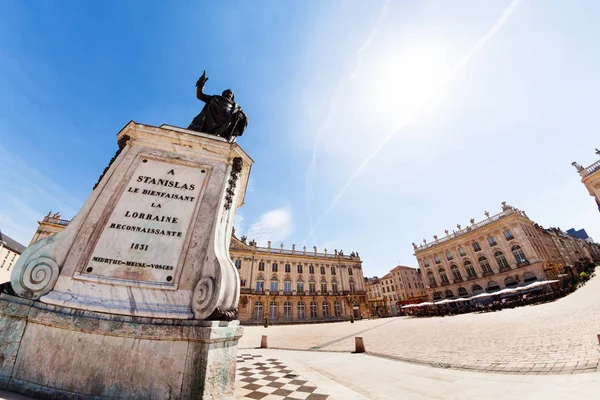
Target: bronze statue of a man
(221,115)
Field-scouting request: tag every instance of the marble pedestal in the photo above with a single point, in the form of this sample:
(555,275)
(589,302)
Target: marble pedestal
(53,352)
(137,298)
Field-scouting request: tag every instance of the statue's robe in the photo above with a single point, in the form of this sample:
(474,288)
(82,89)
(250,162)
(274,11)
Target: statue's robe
(220,117)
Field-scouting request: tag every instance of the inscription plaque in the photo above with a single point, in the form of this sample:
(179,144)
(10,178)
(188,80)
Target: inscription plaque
(145,233)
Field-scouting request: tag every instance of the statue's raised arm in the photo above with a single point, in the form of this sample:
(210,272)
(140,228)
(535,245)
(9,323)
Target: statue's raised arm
(221,115)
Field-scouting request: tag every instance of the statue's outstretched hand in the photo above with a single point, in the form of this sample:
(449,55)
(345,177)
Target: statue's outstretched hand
(202,80)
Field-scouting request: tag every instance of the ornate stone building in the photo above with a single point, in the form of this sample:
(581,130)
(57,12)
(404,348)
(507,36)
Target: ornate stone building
(376,304)
(501,251)
(10,250)
(51,224)
(297,286)
(402,285)
(590,177)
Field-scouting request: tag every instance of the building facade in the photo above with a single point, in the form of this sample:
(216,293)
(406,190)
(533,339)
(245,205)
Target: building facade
(50,225)
(501,251)
(297,286)
(590,177)
(376,304)
(402,285)
(10,250)
(409,285)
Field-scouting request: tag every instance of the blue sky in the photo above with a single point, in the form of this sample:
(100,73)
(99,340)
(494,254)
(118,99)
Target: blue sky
(372,124)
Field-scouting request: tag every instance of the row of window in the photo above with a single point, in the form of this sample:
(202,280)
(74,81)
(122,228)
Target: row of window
(492,286)
(483,263)
(288,268)
(476,247)
(287,285)
(300,310)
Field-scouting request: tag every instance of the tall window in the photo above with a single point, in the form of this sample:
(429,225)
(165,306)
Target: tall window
(337,309)
(455,273)
(350,271)
(508,235)
(260,285)
(325,309)
(436,258)
(313,310)
(287,286)
(274,267)
(274,285)
(322,270)
(323,286)
(334,287)
(332,270)
(476,246)
(312,286)
(443,276)
(492,241)
(300,285)
(352,287)
(426,262)
(299,268)
(449,255)
(300,310)
(469,268)
(288,268)
(518,253)
(273,310)
(431,279)
(238,264)
(311,269)
(501,260)
(462,252)
(485,265)
(261,266)
(287,310)
(258,310)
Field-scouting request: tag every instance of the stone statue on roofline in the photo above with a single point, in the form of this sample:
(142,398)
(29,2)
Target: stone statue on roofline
(221,115)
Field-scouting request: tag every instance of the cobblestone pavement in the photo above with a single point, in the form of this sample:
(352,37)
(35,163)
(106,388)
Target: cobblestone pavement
(553,338)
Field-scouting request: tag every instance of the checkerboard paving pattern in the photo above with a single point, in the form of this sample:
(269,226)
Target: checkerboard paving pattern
(271,379)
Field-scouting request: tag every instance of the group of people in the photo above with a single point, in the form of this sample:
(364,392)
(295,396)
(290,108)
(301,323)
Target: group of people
(487,304)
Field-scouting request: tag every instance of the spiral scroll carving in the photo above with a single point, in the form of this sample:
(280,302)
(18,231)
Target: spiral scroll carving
(203,298)
(36,278)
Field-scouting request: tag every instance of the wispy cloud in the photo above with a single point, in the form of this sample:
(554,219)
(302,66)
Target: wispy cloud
(426,97)
(274,225)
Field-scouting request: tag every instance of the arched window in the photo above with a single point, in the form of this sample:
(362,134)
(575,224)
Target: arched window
(518,253)
(313,310)
(287,285)
(337,309)
(260,284)
(470,270)
(323,285)
(437,295)
(274,284)
(501,260)
(258,310)
(273,310)
(492,287)
(287,310)
(334,286)
(476,289)
(443,276)
(352,286)
(325,309)
(449,294)
(312,287)
(462,292)
(455,273)
(300,285)
(529,277)
(431,279)
(509,281)
(485,265)
(301,310)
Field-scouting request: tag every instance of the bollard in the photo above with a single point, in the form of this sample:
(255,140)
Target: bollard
(359,344)
(263,342)
(351,318)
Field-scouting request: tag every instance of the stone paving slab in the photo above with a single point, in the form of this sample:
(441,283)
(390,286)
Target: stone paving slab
(553,338)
